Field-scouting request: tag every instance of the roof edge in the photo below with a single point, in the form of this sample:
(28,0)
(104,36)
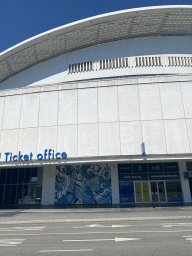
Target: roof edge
(51,32)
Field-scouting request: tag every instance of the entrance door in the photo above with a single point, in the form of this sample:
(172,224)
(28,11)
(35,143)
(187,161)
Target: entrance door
(142,191)
(158,191)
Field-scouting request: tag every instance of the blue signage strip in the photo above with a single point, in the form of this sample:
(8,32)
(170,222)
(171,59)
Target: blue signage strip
(47,155)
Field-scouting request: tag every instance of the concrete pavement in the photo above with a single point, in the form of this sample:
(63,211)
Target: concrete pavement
(37,216)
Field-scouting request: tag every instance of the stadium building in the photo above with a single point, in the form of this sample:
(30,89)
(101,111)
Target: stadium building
(99,111)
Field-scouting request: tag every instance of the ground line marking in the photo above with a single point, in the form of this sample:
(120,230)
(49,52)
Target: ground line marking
(111,232)
(116,239)
(80,250)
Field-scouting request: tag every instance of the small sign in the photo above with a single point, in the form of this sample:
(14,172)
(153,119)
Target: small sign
(186,175)
(164,176)
(125,168)
(33,179)
(126,192)
(133,176)
(143,148)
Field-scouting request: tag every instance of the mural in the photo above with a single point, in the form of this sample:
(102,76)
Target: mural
(83,184)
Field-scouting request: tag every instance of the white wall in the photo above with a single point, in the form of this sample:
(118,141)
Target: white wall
(111,119)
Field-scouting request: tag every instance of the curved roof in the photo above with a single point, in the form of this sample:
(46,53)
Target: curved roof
(126,24)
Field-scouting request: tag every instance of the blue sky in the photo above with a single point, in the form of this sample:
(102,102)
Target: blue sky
(22,19)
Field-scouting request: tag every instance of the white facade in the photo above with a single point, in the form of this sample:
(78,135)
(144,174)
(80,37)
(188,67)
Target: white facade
(102,115)
(118,114)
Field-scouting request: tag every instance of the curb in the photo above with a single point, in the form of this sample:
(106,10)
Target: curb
(93,220)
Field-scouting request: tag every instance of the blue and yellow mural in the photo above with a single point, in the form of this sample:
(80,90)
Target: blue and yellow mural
(83,184)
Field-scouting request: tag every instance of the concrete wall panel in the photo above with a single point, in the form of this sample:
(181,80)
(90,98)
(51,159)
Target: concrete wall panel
(131,138)
(176,136)
(47,139)
(172,105)
(150,104)
(186,89)
(48,108)
(30,110)
(88,140)
(2,102)
(154,137)
(67,113)
(12,109)
(107,104)
(9,142)
(67,140)
(128,99)
(189,131)
(109,139)
(28,141)
(87,106)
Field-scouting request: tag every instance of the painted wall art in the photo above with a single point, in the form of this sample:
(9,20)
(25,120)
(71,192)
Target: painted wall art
(83,184)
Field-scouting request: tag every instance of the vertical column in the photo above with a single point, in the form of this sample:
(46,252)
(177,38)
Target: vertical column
(48,188)
(114,183)
(184,182)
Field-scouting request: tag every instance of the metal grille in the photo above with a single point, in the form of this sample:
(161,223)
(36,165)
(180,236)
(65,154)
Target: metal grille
(114,63)
(81,67)
(178,61)
(153,61)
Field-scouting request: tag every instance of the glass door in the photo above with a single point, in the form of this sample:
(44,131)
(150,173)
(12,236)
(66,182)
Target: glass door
(146,197)
(154,192)
(138,192)
(142,191)
(161,190)
(158,193)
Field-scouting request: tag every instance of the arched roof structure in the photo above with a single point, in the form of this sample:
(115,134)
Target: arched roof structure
(126,24)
